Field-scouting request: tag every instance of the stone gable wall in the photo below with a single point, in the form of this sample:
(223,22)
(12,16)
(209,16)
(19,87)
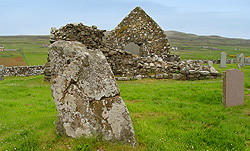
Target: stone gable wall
(141,29)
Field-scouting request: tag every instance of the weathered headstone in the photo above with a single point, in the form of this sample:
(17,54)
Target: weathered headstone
(242,58)
(233,88)
(223,59)
(210,63)
(241,61)
(231,61)
(247,61)
(86,94)
(132,48)
(1,72)
(237,58)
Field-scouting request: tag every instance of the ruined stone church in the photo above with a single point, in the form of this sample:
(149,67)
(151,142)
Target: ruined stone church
(140,31)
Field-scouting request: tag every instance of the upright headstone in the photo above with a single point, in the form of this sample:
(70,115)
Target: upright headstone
(233,88)
(242,58)
(1,72)
(223,59)
(210,63)
(231,61)
(247,61)
(237,58)
(86,94)
(132,48)
(241,61)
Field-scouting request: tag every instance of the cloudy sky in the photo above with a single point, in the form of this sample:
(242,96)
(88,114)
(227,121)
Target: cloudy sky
(227,18)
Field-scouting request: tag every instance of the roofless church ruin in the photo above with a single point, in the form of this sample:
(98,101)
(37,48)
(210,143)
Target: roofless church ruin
(137,48)
(139,29)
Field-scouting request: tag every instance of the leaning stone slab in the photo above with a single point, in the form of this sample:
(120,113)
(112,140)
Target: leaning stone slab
(233,88)
(86,94)
(214,72)
(204,73)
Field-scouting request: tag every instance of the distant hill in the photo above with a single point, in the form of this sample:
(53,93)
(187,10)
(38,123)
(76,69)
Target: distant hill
(190,46)
(178,38)
(174,37)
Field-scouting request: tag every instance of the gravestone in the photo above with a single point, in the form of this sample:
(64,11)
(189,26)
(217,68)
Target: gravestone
(210,63)
(233,88)
(237,58)
(231,61)
(242,58)
(223,59)
(86,94)
(241,61)
(247,61)
(1,72)
(132,48)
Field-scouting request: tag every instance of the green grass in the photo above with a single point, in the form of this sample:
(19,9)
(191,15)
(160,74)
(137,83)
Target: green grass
(31,46)
(166,114)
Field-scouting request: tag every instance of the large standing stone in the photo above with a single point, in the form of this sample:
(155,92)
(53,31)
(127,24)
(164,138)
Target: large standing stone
(233,88)
(223,59)
(1,72)
(86,94)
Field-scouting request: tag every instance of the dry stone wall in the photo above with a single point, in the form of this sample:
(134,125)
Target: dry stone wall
(23,70)
(126,66)
(91,37)
(228,61)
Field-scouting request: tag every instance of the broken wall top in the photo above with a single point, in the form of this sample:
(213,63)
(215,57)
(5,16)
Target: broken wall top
(91,37)
(141,29)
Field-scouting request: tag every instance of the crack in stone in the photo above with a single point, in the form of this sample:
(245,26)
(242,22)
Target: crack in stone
(67,89)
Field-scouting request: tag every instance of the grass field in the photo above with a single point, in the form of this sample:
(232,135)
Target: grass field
(31,46)
(166,114)
(11,58)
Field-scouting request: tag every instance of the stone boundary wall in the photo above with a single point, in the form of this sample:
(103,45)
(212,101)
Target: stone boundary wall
(23,70)
(228,61)
(136,68)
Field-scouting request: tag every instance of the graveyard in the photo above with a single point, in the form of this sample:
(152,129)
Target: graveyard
(171,104)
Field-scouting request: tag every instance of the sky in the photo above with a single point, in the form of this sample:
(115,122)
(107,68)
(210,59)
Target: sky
(226,18)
